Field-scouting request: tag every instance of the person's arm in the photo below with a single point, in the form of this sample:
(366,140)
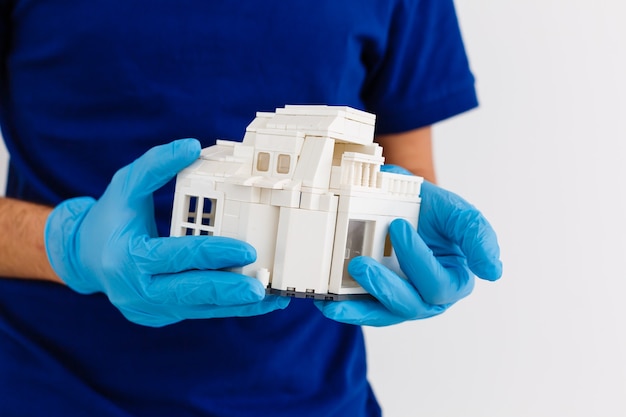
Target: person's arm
(411,150)
(453,244)
(22,249)
(111,246)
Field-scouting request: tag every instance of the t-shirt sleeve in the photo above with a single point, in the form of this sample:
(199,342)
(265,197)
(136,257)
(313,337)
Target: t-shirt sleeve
(423,76)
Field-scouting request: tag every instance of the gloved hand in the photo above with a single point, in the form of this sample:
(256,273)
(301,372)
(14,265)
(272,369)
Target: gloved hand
(111,246)
(453,242)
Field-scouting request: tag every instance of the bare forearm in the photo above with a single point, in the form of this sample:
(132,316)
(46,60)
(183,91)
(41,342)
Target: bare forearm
(411,150)
(22,250)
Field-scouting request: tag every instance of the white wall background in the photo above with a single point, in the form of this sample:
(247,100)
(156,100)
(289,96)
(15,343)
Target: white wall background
(545,159)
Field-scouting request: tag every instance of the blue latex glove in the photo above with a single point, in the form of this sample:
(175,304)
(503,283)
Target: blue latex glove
(111,246)
(453,242)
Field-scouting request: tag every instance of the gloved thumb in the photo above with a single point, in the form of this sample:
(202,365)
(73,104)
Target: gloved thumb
(156,167)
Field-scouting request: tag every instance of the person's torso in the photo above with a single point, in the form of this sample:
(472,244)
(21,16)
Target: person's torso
(86,87)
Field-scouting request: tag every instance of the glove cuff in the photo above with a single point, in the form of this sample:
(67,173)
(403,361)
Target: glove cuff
(60,240)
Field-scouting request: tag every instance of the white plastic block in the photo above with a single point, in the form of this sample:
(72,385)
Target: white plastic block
(240,192)
(243,152)
(224,168)
(318,201)
(230,219)
(219,142)
(405,188)
(335,179)
(177,214)
(194,212)
(249,138)
(247,181)
(263,275)
(314,164)
(341,123)
(293,185)
(257,225)
(259,122)
(272,183)
(400,186)
(308,110)
(275,124)
(373,149)
(360,116)
(356,131)
(310,201)
(266,196)
(285,198)
(335,124)
(218,151)
(277,140)
(303,250)
(185,181)
(357,169)
(375,216)
(357,204)
(329,202)
(323,110)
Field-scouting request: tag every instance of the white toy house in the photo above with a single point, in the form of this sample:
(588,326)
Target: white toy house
(305,189)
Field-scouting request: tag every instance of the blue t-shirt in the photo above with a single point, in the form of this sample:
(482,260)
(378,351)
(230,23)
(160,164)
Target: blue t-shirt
(88,86)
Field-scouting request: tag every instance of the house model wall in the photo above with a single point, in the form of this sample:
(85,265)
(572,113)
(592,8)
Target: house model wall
(304,187)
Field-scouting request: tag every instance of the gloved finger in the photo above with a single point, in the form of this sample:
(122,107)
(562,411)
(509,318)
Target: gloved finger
(462,224)
(395,293)
(217,288)
(435,282)
(156,167)
(268,304)
(175,254)
(163,315)
(479,244)
(367,312)
(358,312)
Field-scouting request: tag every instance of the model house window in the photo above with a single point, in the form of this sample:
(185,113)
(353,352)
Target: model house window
(263,162)
(199,216)
(191,202)
(358,243)
(284,163)
(388,249)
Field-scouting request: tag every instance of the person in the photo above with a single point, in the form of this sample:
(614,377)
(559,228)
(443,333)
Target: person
(101,313)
